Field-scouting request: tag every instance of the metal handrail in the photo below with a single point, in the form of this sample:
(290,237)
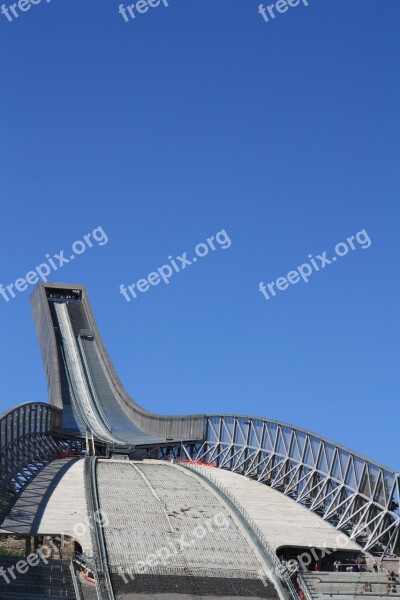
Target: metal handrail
(303,585)
(77,588)
(99,547)
(377,589)
(83,559)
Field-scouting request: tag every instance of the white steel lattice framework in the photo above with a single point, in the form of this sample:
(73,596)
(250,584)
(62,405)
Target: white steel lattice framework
(356,495)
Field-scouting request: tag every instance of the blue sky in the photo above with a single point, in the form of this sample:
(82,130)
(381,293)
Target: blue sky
(186,121)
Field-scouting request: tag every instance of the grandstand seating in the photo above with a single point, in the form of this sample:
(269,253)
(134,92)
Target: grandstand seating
(347,586)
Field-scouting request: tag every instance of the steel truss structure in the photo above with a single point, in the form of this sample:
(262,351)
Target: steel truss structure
(356,495)
(27,445)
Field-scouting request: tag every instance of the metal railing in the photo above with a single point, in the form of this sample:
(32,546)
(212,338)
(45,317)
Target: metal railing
(77,587)
(303,585)
(104,587)
(375,589)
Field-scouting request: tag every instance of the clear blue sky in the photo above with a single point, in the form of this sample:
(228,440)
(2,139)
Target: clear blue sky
(191,119)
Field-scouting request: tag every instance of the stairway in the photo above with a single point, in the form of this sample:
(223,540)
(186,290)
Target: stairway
(52,581)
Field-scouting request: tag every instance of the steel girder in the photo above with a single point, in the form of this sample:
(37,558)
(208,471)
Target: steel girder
(26,446)
(356,495)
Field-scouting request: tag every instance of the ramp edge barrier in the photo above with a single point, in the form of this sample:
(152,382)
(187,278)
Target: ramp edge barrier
(104,587)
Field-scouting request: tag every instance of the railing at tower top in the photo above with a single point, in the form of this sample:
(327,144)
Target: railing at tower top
(26,447)
(356,495)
